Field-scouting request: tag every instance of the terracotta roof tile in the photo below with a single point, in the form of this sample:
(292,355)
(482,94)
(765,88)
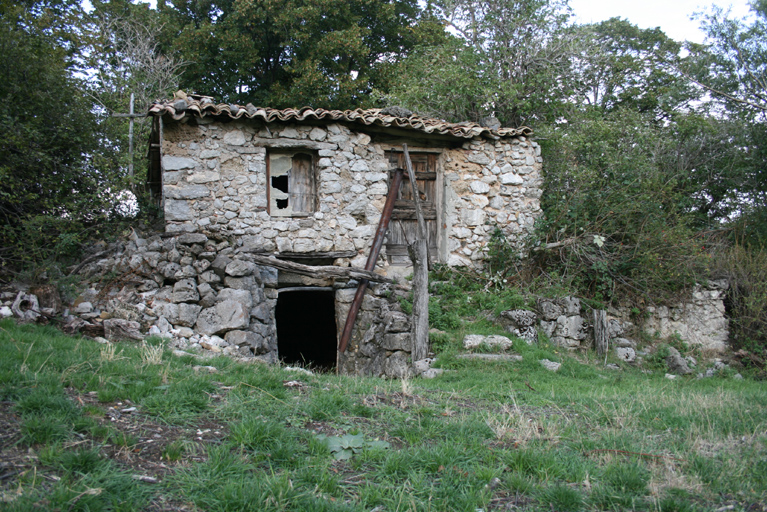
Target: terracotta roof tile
(202,106)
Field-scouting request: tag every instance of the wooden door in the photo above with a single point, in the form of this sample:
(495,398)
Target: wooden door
(403,228)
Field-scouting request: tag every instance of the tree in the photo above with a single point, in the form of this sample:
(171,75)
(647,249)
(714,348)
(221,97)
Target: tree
(326,53)
(732,68)
(510,58)
(624,66)
(127,56)
(54,172)
(126,59)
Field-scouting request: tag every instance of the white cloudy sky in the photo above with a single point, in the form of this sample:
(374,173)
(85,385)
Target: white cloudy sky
(672,16)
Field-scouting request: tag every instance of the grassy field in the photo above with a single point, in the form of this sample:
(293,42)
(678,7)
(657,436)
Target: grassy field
(85,426)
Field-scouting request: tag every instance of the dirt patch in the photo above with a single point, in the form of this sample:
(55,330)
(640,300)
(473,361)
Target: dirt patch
(136,441)
(407,401)
(14,459)
(142,443)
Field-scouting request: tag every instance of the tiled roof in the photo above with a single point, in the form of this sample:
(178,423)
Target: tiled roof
(202,106)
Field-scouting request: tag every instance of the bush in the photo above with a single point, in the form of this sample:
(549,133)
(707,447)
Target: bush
(745,268)
(616,221)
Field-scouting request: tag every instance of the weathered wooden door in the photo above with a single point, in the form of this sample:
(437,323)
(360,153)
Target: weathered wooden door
(403,229)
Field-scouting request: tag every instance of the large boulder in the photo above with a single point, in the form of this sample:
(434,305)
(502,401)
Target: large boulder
(185,290)
(521,323)
(227,315)
(117,329)
(676,363)
(471,341)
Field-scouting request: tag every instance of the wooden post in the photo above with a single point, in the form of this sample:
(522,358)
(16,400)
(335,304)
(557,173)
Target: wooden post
(422,231)
(419,255)
(131,116)
(601,334)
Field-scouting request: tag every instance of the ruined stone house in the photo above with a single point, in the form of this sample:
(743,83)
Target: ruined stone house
(309,186)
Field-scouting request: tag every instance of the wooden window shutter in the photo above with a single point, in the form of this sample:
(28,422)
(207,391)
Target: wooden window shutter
(302,186)
(292,184)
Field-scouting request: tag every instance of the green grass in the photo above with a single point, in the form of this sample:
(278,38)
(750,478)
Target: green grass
(481,436)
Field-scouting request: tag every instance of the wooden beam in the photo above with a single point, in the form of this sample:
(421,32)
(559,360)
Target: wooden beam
(316,255)
(419,255)
(279,143)
(398,148)
(383,226)
(601,333)
(322,272)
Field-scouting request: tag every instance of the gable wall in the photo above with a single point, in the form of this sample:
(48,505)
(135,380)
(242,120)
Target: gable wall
(214,179)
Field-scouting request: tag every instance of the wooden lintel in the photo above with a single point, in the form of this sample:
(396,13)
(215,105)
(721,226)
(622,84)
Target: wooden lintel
(316,255)
(280,143)
(322,272)
(398,148)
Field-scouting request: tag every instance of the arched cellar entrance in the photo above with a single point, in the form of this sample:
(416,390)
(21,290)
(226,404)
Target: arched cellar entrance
(306,327)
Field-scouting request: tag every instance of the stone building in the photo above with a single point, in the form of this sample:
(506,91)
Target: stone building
(309,186)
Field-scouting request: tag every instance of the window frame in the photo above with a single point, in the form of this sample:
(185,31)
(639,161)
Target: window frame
(292,184)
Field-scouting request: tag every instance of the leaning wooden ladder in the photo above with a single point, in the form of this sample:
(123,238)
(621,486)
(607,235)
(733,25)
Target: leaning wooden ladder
(419,255)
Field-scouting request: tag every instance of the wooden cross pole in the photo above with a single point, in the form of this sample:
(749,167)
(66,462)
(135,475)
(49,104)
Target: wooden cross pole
(419,255)
(131,116)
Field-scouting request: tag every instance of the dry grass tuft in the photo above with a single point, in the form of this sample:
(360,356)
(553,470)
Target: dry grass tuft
(108,352)
(668,475)
(151,355)
(513,425)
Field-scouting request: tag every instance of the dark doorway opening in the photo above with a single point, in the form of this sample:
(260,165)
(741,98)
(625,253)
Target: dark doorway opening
(306,327)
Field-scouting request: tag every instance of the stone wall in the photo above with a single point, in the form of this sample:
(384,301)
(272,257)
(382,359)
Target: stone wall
(206,293)
(700,322)
(490,184)
(215,182)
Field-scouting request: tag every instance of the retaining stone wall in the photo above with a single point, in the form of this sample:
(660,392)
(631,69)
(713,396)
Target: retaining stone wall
(207,294)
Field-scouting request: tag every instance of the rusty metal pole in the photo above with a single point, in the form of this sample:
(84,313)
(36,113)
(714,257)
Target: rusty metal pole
(383,225)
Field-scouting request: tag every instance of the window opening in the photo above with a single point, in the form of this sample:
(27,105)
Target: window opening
(292,184)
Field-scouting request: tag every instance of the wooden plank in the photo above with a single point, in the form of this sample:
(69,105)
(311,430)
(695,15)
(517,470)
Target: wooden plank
(419,149)
(301,187)
(419,175)
(292,143)
(411,215)
(601,334)
(422,231)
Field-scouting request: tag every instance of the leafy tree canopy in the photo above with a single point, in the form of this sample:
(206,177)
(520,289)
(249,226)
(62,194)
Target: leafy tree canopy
(628,67)
(508,58)
(55,167)
(325,53)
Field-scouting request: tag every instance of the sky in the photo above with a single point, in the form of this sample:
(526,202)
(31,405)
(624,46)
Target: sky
(672,16)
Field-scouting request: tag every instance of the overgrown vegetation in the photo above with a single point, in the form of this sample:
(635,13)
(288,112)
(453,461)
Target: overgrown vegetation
(653,148)
(483,436)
